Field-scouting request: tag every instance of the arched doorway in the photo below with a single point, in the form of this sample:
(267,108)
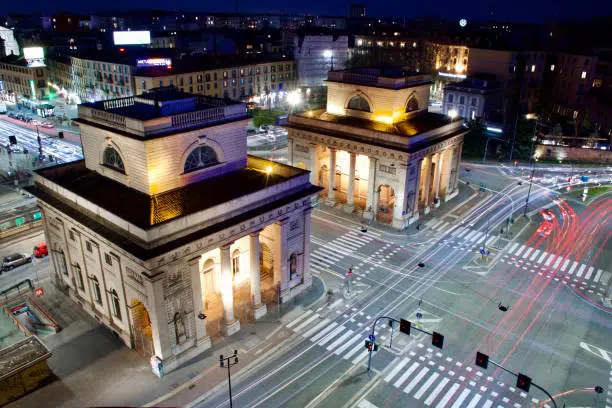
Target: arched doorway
(266,273)
(141,328)
(213,306)
(386,202)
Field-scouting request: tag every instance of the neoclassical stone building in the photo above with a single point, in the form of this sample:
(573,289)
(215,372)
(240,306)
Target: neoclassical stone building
(375,148)
(167,232)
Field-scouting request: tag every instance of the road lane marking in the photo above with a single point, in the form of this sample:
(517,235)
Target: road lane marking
(557,262)
(436,391)
(574,265)
(416,380)
(299,318)
(453,389)
(487,404)
(331,335)
(564,267)
(323,332)
(582,268)
(589,273)
(520,251)
(544,255)
(461,398)
(597,275)
(474,401)
(316,328)
(527,252)
(306,323)
(550,259)
(426,386)
(534,255)
(397,369)
(406,374)
(347,344)
(512,248)
(340,340)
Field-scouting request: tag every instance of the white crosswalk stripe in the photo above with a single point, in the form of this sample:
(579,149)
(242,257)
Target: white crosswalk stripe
(436,391)
(527,252)
(324,331)
(306,323)
(322,260)
(477,236)
(340,340)
(520,250)
(544,255)
(349,242)
(574,265)
(426,386)
(341,247)
(589,273)
(564,267)
(328,253)
(331,335)
(449,394)
(396,369)
(316,328)
(307,313)
(474,401)
(487,404)
(597,275)
(348,344)
(443,226)
(461,398)
(406,374)
(354,350)
(416,380)
(534,255)
(469,236)
(557,262)
(360,357)
(482,238)
(582,268)
(434,223)
(513,247)
(550,259)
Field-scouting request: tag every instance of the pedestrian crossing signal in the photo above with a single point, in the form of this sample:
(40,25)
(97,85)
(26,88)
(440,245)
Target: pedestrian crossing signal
(405,326)
(370,346)
(437,340)
(523,382)
(482,360)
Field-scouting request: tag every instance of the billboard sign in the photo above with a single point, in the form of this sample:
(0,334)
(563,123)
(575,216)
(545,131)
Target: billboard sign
(132,37)
(154,62)
(35,56)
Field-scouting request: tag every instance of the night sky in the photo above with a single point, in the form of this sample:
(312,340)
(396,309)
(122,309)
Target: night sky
(528,10)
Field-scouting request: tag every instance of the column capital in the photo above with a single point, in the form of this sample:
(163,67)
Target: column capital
(225,247)
(255,233)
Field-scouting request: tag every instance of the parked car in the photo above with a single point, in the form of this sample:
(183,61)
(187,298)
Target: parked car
(12,261)
(40,250)
(47,125)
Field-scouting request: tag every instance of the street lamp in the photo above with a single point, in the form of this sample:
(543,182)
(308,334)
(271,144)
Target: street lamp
(226,362)
(294,98)
(453,113)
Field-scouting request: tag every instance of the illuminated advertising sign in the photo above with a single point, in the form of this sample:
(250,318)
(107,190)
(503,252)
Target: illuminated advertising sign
(154,62)
(35,56)
(132,37)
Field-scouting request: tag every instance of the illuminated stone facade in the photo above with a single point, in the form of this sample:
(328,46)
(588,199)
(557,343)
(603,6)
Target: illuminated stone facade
(167,232)
(375,149)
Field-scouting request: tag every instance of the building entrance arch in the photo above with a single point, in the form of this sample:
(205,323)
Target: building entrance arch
(213,306)
(385,204)
(141,328)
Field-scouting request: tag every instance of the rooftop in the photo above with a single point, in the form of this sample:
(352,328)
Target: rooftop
(390,78)
(181,111)
(474,84)
(408,135)
(147,211)
(21,355)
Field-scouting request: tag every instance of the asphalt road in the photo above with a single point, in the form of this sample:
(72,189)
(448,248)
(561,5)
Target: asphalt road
(555,329)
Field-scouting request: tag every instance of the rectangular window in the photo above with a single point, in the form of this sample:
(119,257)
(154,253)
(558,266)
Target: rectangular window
(108,259)
(71,235)
(88,246)
(583,75)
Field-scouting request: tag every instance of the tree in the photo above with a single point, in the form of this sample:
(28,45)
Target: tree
(523,142)
(475,140)
(263,117)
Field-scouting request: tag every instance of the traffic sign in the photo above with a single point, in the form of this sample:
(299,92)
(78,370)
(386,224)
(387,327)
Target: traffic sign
(584,179)
(39,292)
(371,337)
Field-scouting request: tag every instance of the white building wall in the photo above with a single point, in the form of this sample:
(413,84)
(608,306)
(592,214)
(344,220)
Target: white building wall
(312,64)
(468,105)
(10,44)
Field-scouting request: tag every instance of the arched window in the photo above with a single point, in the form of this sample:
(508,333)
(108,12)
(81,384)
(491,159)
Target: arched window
(79,274)
(413,105)
(96,290)
(199,158)
(179,328)
(293,266)
(115,304)
(359,103)
(113,160)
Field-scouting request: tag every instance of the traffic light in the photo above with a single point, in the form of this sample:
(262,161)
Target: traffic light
(482,360)
(523,382)
(405,326)
(437,340)
(371,346)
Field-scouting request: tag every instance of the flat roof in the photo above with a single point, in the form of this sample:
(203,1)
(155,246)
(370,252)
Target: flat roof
(146,211)
(422,123)
(21,355)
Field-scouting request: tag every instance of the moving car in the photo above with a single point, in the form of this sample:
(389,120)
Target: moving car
(40,250)
(545,229)
(14,260)
(547,214)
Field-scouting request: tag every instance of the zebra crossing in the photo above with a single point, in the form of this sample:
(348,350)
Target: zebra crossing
(463,233)
(340,339)
(323,258)
(568,271)
(440,382)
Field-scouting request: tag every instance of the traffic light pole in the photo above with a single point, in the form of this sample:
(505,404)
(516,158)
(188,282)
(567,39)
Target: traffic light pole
(532,383)
(394,320)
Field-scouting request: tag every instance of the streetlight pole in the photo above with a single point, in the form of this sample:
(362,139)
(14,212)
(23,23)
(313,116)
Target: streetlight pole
(532,167)
(226,361)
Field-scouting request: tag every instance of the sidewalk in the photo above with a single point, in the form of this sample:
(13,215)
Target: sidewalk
(69,135)
(94,368)
(465,200)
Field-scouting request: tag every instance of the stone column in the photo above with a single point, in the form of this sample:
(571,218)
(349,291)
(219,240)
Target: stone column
(307,221)
(331,194)
(447,162)
(281,257)
(416,184)
(259,309)
(156,307)
(426,185)
(371,201)
(350,194)
(456,168)
(436,181)
(227,292)
(314,164)
(202,340)
(290,151)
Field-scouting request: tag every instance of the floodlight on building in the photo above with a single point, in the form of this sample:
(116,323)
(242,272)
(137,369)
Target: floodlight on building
(269,170)
(453,113)
(328,53)
(294,98)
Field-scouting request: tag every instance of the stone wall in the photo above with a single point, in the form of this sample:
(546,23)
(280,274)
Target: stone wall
(547,152)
